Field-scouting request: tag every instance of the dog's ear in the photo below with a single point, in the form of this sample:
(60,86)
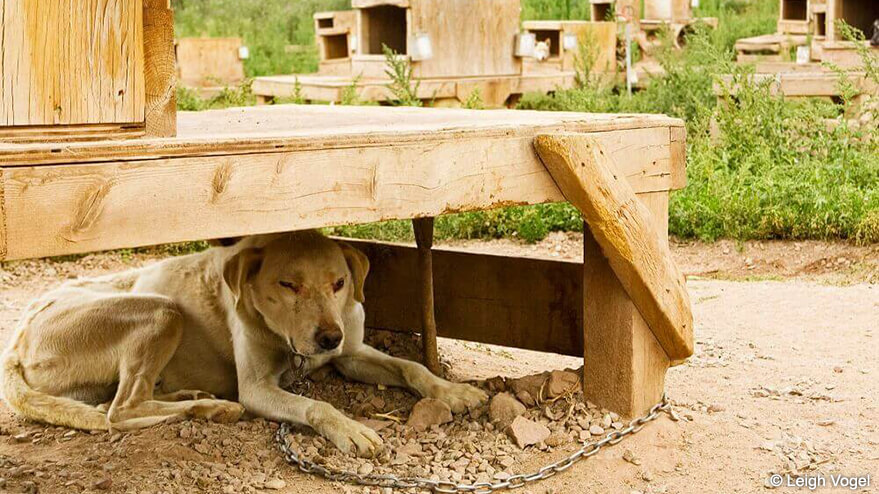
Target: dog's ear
(241,268)
(358,263)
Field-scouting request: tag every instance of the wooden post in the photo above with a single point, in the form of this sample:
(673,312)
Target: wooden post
(424,239)
(160,75)
(624,364)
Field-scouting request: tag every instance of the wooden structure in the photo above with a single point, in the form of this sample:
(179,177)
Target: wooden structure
(279,168)
(795,59)
(812,24)
(565,39)
(209,64)
(74,72)
(454,47)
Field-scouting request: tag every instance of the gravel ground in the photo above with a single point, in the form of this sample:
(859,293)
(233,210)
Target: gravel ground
(783,380)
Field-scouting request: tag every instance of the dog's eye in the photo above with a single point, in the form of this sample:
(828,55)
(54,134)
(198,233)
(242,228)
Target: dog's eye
(289,286)
(338,284)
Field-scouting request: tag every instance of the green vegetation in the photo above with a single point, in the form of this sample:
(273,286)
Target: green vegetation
(759,167)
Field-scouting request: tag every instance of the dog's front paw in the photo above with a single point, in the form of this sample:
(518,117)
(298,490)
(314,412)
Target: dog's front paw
(459,396)
(348,435)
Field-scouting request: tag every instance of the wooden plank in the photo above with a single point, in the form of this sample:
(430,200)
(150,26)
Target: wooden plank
(208,62)
(160,112)
(519,302)
(71,62)
(625,363)
(89,207)
(281,128)
(60,133)
(469,38)
(623,227)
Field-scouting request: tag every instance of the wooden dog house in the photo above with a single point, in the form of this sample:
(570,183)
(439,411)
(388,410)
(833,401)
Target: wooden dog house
(812,23)
(210,64)
(241,171)
(454,47)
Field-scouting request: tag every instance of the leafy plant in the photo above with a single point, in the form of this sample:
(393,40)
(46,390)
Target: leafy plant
(399,69)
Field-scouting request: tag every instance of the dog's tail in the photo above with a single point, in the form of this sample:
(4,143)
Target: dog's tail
(42,407)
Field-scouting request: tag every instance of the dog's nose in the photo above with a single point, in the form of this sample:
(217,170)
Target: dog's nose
(329,338)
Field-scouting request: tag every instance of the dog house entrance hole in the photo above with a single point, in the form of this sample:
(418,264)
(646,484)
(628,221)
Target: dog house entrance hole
(861,14)
(383,25)
(336,46)
(602,12)
(820,24)
(553,36)
(794,10)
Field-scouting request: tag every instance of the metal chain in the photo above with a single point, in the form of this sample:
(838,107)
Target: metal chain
(588,449)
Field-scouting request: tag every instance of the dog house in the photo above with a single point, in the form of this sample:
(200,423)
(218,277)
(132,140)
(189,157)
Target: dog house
(812,24)
(564,40)
(453,47)
(210,64)
(69,184)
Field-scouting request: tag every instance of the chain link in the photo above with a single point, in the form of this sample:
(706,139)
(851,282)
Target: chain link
(588,449)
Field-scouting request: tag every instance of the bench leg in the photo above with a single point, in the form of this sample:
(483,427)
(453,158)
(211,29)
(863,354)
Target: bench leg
(424,239)
(624,364)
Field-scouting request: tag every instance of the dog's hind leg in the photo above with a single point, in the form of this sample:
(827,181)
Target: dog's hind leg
(144,353)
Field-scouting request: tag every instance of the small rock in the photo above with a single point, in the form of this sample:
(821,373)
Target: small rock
(275,484)
(561,382)
(596,430)
(428,412)
(526,398)
(526,432)
(826,423)
(647,475)
(504,408)
(529,384)
(103,484)
(557,439)
(496,384)
(365,469)
(631,458)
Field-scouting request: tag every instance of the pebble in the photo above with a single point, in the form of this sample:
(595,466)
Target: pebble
(561,382)
(428,412)
(526,432)
(365,469)
(103,484)
(504,408)
(275,484)
(596,430)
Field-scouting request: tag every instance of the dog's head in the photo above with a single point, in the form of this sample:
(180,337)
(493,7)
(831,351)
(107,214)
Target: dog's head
(298,286)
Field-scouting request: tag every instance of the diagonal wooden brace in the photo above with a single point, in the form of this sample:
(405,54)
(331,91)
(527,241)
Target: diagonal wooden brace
(637,318)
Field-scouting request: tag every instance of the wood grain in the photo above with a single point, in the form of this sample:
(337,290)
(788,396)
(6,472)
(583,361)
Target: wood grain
(625,363)
(160,107)
(89,207)
(469,37)
(624,228)
(66,62)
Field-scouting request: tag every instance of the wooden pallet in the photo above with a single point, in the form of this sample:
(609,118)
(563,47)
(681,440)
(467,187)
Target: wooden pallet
(279,168)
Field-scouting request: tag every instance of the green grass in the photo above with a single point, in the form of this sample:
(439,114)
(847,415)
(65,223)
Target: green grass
(775,170)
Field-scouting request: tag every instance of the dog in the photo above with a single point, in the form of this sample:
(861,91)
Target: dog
(209,335)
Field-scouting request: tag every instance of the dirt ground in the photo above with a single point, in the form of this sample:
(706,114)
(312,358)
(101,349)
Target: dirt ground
(784,379)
